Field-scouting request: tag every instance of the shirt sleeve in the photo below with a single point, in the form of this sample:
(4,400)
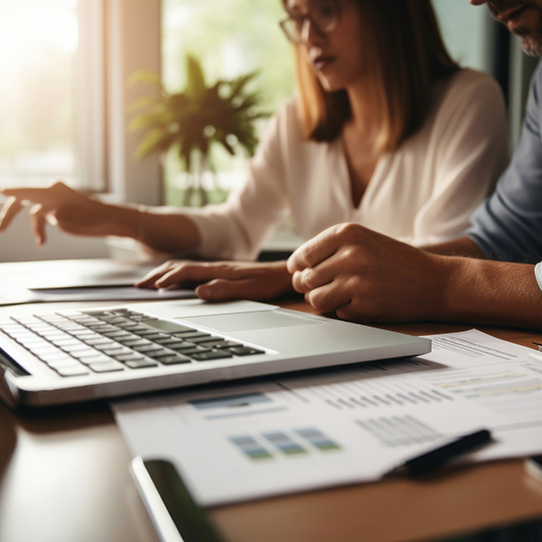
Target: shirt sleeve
(508,225)
(237,228)
(538,274)
(468,150)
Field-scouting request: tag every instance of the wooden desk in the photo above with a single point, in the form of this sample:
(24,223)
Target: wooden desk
(64,478)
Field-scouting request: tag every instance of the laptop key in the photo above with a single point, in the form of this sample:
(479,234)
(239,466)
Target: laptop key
(194,350)
(153,336)
(203,340)
(134,342)
(100,341)
(109,367)
(244,351)
(159,353)
(134,356)
(56,358)
(72,370)
(61,364)
(141,364)
(211,355)
(172,359)
(117,351)
(87,353)
(170,342)
(192,334)
(98,358)
(120,335)
(221,344)
(148,348)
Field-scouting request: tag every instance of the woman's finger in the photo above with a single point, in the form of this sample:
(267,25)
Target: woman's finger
(198,273)
(152,276)
(11,208)
(221,289)
(38,216)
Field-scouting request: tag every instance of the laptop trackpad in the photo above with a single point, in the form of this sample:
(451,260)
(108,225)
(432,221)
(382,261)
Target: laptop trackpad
(229,323)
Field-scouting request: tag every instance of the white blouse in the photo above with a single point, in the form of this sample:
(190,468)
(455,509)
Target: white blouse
(422,193)
(538,274)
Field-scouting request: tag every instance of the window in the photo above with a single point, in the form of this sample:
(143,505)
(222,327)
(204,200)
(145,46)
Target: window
(38,49)
(465,31)
(230,38)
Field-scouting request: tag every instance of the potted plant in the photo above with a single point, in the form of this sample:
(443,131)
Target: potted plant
(195,119)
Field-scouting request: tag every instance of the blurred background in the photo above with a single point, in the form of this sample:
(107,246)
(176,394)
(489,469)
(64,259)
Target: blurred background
(66,99)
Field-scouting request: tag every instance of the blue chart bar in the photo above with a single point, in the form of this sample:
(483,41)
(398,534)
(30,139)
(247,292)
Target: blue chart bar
(280,442)
(284,443)
(318,439)
(250,447)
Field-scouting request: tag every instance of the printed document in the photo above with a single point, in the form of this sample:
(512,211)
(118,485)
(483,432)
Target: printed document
(342,426)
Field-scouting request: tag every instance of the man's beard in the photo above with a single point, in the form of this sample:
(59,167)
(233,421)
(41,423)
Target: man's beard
(531,42)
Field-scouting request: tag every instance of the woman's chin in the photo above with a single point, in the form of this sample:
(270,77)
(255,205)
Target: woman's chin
(329,84)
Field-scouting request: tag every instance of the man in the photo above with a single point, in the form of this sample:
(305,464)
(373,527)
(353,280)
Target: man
(368,277)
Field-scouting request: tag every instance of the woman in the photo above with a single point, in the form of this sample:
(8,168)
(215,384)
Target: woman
(387,132)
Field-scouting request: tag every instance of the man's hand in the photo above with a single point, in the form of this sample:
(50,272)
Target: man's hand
(365,276)
(70,210)
(220,281)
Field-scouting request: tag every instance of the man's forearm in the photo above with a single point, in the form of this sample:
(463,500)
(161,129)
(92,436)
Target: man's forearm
(463,246)
(484,291)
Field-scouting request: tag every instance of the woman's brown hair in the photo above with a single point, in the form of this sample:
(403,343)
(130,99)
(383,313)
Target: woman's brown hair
(407,56)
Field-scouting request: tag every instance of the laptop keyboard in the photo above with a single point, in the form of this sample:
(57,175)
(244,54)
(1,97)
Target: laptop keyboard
(116,340)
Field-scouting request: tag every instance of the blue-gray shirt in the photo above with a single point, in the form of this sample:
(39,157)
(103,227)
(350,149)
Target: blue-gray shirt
(508,224)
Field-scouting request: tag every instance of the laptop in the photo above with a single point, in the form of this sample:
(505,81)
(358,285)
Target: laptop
(81,355)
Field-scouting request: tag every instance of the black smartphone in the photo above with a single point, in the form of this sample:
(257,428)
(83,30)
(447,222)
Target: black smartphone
(174,513)
(533,465)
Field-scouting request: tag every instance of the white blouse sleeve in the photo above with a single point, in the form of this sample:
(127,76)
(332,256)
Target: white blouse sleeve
(237,228)
(469,145)
(538,274)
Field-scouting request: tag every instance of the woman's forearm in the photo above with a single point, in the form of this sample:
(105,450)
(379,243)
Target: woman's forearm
(169,233)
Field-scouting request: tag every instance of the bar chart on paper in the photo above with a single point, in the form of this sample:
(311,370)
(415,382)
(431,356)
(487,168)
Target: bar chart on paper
(298,433)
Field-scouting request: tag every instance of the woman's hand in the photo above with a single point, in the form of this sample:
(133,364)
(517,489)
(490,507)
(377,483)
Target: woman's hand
(367,277)
(220,281)
(60,205)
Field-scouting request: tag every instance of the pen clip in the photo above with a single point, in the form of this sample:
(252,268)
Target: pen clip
(427,462)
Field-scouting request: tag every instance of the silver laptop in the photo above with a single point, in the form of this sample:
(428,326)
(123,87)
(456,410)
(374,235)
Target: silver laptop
(67,357)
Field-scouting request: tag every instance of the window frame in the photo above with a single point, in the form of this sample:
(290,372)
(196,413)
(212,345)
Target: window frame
(90,96)
(112,50)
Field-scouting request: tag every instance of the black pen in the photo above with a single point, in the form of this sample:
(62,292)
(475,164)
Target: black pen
(431,460)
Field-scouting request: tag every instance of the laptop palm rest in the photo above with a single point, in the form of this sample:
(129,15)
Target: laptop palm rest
(251,321)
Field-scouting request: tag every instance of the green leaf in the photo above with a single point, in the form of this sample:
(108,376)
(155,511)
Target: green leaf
(145,77)
(155,119)
(194,76)
(154,140)
(237,85)
(145,101)
(198,117)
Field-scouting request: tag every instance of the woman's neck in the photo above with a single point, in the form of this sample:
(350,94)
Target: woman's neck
(363,106)
(359,137)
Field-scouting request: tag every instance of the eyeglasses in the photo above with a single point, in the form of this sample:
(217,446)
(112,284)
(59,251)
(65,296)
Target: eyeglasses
(324,15)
